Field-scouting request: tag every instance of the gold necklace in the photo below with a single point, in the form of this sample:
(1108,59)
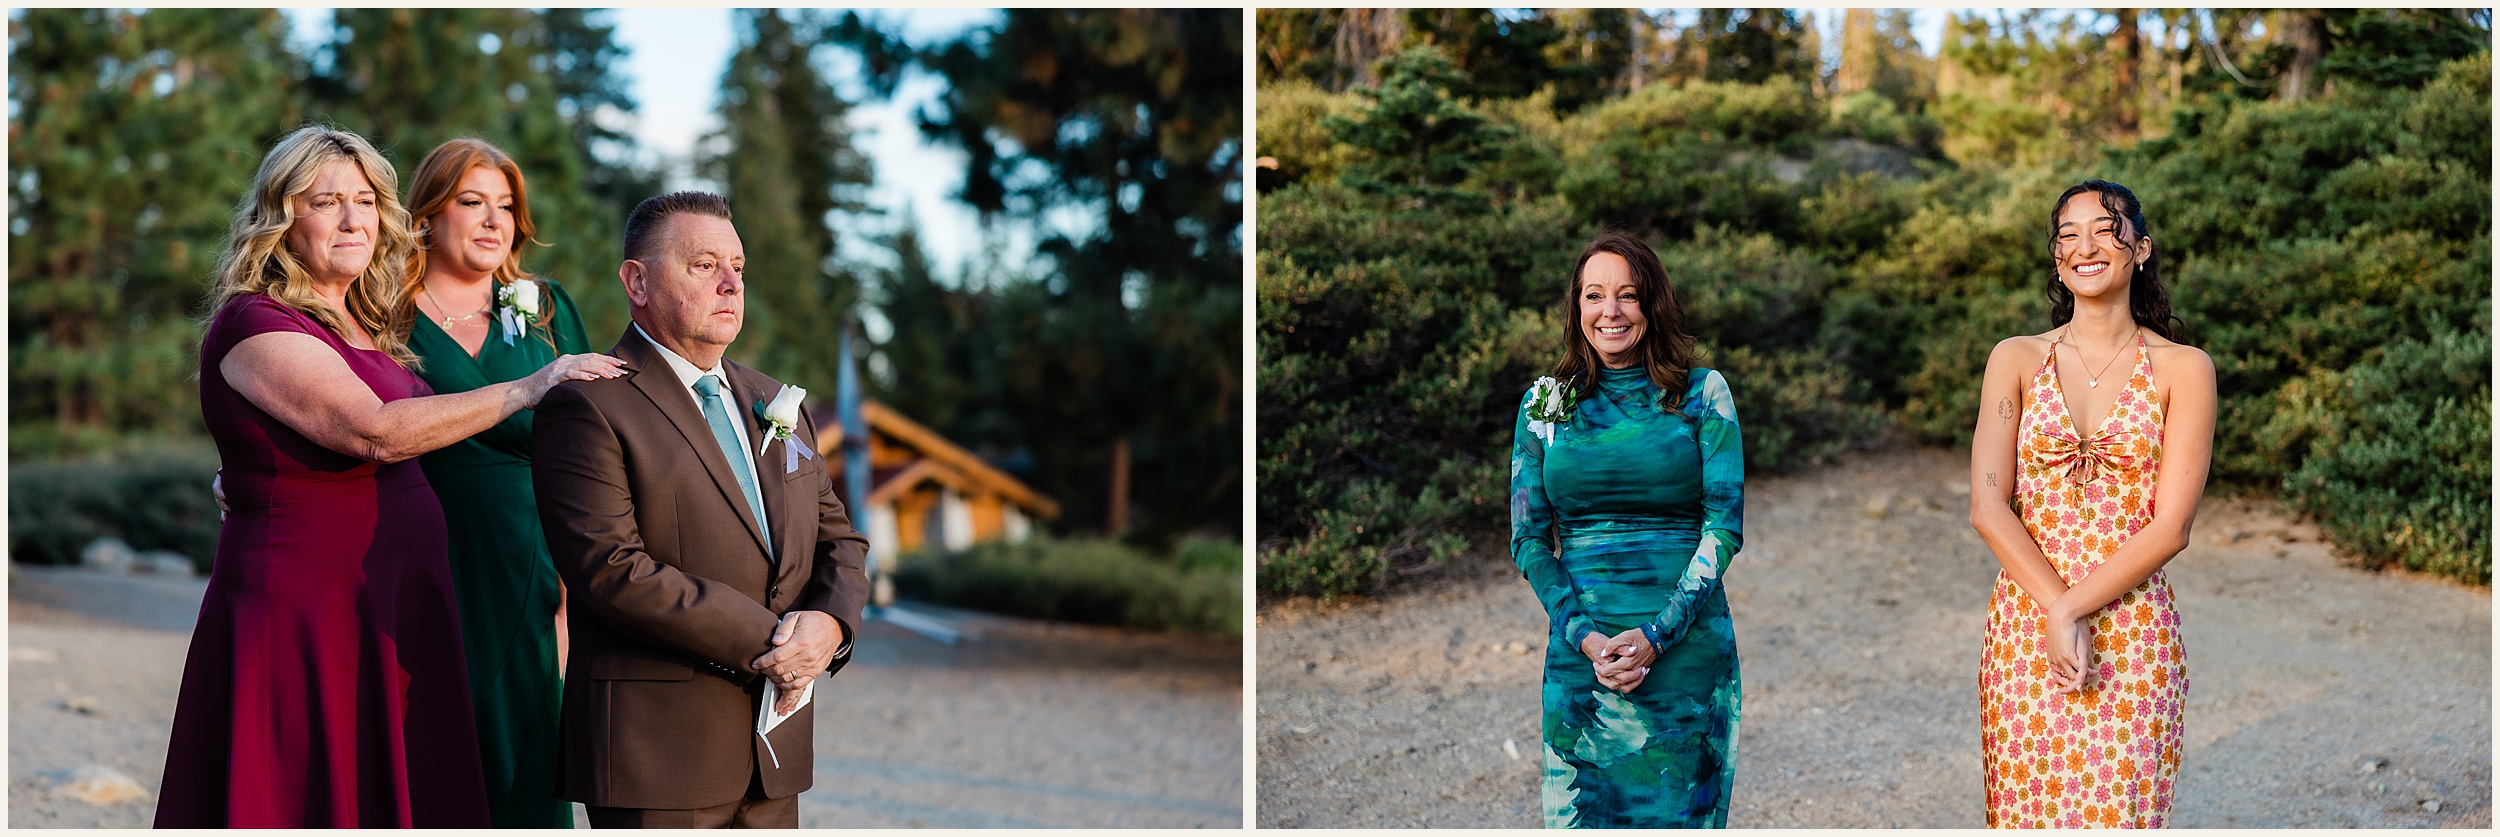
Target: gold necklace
(2095,383)
(448,319)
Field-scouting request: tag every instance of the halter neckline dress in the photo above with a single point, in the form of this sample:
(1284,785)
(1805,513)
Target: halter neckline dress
(2108,757)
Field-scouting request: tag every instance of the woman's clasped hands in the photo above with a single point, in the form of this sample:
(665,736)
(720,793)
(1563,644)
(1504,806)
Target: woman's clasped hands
(1622,661)
(2069,645)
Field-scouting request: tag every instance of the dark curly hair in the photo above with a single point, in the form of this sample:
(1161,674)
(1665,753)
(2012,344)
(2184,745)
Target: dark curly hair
(2147,299)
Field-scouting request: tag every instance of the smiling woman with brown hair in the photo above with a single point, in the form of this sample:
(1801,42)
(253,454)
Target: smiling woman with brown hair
(1627,494)
(2084,493)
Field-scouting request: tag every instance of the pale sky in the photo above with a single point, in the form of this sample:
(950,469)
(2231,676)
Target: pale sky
(673,67)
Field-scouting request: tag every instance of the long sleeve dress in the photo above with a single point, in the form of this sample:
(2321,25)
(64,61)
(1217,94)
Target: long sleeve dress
(1625,517)
(500,565)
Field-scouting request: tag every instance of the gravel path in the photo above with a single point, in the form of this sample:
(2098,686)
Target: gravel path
(2322,696)
(1026,724)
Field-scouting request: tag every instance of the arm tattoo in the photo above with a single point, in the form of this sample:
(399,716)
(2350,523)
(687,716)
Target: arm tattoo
(2005,408)
(1992,479)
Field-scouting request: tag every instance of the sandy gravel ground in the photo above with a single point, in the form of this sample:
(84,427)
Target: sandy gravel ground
(2321,696)
(1028,724)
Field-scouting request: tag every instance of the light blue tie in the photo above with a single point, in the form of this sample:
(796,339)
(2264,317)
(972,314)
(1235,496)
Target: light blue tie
(718,416)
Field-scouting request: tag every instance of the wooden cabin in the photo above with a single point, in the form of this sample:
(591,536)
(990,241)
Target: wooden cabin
(925,491)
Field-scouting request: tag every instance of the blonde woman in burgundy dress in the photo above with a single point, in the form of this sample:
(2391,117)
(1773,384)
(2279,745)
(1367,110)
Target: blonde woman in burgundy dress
(2090,455)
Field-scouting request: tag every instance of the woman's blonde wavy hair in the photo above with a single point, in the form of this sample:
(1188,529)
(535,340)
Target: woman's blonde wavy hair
(256,260)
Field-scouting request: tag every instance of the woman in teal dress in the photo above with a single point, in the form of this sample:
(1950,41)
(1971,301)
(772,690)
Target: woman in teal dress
(1626,503)
(476,319)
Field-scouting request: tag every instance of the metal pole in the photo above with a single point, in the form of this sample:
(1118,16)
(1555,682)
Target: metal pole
(855,484)
(855,456)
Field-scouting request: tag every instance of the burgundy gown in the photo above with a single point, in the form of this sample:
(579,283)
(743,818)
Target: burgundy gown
(325,685)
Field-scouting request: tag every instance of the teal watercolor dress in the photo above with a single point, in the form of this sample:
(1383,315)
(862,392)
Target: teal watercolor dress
(1647,507)
(500,568)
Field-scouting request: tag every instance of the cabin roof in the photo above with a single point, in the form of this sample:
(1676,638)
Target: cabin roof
(940,460)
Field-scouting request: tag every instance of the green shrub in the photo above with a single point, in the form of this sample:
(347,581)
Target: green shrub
(2286,310)
(1780,114)
(1388,374)
(1847,285)
(1871,116)
(1196,589)
(2406,49)
(2398,464)
(1670,160)
(1415,144)
(1292,129)
(1370,531)
(151,501)
(1794,405)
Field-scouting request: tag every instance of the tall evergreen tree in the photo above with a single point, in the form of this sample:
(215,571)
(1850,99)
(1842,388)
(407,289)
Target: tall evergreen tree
(130,136)
(1879,53)
(1743,45)
(408,79)
(1134,338)
(933,358)
(1300,43)
(1421,141)
(581,59)
(784,156)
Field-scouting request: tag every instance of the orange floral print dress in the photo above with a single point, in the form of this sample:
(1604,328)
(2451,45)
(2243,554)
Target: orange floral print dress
(2106,757)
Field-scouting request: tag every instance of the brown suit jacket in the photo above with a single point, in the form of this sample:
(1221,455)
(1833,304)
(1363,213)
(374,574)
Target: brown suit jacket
(672,593)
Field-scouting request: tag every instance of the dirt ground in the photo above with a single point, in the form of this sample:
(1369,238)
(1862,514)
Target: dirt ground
(2321,695)
(1026,724)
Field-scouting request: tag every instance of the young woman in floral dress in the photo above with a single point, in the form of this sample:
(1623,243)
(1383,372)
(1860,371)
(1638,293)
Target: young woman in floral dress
(2090,455)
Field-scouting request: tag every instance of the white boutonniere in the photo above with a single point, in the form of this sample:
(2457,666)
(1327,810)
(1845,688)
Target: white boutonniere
(781,421)
(1550,403)
(516,305)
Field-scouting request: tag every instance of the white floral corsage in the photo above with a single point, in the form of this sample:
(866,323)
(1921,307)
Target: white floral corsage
(1550,403)
(516,306)
(781,420)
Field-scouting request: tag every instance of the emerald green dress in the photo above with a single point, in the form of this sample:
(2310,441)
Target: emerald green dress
(1647,506)
(505,580)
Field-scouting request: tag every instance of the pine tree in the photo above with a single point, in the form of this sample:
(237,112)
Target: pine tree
(1742,45)
(1592,57)
(1300,43)
(581,56)
(931,359)
(409,79)
(1133,336)
(131,137)
(1859,53)
(785,159)
(1421,143)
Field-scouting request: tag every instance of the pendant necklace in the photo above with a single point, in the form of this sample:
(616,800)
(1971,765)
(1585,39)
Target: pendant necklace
(448,319)
(2096,376)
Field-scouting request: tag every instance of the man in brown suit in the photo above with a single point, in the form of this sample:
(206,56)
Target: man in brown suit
(683,603)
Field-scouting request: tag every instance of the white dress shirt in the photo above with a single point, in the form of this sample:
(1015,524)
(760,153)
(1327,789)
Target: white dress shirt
(686,375)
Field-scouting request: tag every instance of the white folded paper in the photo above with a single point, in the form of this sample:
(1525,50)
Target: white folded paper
(766,719)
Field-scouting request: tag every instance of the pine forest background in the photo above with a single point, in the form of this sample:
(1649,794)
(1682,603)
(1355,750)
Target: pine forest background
(133,135)
(1853,235)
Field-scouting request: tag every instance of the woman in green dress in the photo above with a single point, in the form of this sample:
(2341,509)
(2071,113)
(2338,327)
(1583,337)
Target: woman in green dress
(1626,502)
(476,319)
